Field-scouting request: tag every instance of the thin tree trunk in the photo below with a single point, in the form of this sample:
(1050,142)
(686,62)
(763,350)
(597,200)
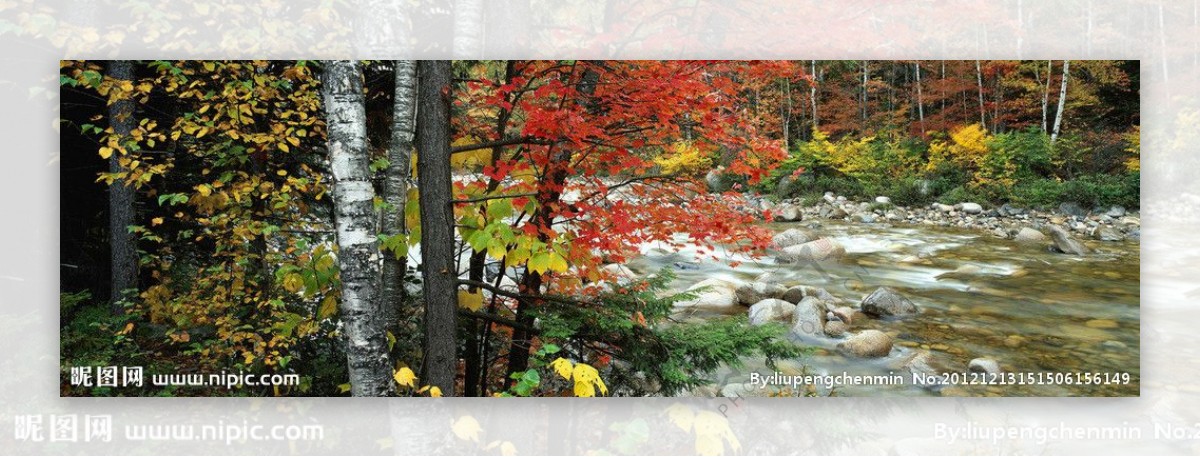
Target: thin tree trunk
(1046,95)
(395,193)
(920,99)
(865,75)
(1062,100)
(468,28)
(787,111)
(122,243)
(812,93)
(439,266)
(358,252)
(979,81)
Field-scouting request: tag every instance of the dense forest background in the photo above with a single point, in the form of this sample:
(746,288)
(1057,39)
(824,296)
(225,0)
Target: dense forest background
(266,216)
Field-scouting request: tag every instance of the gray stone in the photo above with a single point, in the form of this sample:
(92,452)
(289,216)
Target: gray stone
(791,237)
(972,208)
(1065,243)
(1029,235)
(1072,209)
(720,296)
(845,314)
(818,250)
(754,292)
(788,213)
(886,302)
(836,328)
(984,365)
(1116,211)
(808,318)
(868,343)
(1107,233)
(771,310)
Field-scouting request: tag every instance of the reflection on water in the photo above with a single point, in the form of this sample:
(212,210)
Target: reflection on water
(980,296)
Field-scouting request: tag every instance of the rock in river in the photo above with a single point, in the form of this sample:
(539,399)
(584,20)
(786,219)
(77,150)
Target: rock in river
(787,213)
(720,296)
(771,310)
(791,237)
(1029,235)
(1065,243)
(868,343)
(984,365)
(808,318)
(1107,233)
(813,251)
(754,292)
(972,208)
(885,302)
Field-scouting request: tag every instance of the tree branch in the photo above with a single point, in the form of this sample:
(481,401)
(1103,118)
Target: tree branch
(498,143)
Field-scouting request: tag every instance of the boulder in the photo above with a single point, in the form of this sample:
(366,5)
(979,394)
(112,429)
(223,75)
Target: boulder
(864,217)
(1065,243)
(1072,209)
(796,293)
(833,212)
(754,292)
(984,365)
(719,295)
(836,328)
(819,250)
(972,208)
(868,343)
(886,302)
(808,317)
(1029,235)
(943,207)
(1107,233)
(883,200)
(771,310)
(845,314)
(714,181)
(788,213)
(791,237)
(1116,211)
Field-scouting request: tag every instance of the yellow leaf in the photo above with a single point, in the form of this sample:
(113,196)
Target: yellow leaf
(204,189)
(295,141)
(283,147)
(466,428)
(156,221)
(404,377)
(292,282)
(281,172)
(106,152)
(586,381)
(128,328)
(328,308)
(435,392)
(175,134)
(562,367)
(469,300)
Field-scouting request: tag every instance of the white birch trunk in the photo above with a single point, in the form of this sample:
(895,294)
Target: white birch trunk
(395,189)
(358,252)
(979,81)
(812,92)
(1046,95)
(920,98)
(1062,100)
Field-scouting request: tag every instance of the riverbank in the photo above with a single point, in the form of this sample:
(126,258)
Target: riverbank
(878,290)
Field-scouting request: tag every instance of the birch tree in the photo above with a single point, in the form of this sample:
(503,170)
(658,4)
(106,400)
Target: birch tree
(122,244)
(395,190)
(1062,100)
(1046,94)
(979,83)
(439,262)
(358,253)
(920,99)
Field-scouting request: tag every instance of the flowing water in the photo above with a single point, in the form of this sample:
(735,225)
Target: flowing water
(1032,310)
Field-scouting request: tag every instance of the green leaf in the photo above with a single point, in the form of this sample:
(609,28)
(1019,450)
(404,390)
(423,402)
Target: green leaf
(499,209)
(539,263)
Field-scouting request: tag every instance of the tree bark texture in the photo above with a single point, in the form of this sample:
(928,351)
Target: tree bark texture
(354,212)
(439,266)
(1062,100)
(122,243)
(395,191)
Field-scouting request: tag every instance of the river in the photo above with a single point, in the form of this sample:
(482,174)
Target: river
(1032,310)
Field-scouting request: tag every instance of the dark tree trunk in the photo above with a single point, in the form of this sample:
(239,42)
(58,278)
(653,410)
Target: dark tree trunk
(122,244)
(439,266)
(358,251)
